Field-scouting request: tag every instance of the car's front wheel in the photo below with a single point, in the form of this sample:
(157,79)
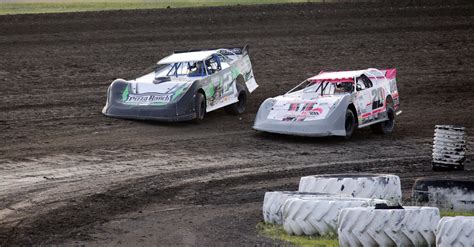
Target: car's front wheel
(200,107)
(350,123)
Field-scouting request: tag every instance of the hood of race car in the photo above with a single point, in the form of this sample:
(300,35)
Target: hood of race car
(147,90)
(302,107)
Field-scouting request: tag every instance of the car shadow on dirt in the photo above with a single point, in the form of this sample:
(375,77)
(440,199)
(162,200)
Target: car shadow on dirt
(362,135)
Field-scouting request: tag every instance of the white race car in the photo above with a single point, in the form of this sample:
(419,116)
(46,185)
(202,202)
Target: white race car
(334,103)
(184,86)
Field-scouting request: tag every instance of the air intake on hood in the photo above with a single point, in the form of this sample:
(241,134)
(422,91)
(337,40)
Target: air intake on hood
(159,80)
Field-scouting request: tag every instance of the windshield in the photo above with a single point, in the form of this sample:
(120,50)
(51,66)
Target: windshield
(209,66)
(181,69)
(324,87)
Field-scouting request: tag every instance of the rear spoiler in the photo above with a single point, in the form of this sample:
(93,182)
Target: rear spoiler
(390,73)
(237,50)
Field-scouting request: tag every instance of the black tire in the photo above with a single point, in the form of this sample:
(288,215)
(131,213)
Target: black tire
(459,168)
(385,127)
(436,168)
(446,192)
(444,167)
(200,107)
(240,106)
(349,123)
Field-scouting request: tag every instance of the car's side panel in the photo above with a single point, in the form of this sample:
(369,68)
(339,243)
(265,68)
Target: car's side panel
(221,88)
(244,67)
(371,105)
(363,105)
(387,80)
(392,88)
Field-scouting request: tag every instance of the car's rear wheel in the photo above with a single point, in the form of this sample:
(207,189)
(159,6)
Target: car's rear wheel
(238,107)
(385,127)
(200,107)
(350,123)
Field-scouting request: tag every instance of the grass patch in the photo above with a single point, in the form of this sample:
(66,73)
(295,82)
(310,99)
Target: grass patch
(45,6)
(276,232)
(451,213)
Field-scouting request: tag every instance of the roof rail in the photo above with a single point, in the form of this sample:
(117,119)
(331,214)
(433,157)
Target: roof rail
(236,50)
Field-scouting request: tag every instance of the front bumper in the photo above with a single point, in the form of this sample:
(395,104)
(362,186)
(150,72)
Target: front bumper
(332,125)
(310,128)
(167,113)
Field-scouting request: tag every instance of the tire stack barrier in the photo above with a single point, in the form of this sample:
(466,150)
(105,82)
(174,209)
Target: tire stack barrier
(315,208)
(376,186)
(411,226)
(455,193)
(318,216)
(455,231)
(273,203)
(449,147)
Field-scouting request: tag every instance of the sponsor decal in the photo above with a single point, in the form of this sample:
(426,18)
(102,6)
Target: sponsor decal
(125,94)
(180,90)
(220,88)
(148,99)
(299,111)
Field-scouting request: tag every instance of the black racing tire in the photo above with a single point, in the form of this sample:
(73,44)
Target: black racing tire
(459,168)
(443,167)
(239,107)
(200,108)
(350,123)
(385,127)
(436,168)
(446,192)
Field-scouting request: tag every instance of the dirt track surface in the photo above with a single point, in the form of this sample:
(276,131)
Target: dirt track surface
(70,175)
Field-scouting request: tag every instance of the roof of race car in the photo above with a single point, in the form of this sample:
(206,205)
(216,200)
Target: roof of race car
(337,75)
(187,57)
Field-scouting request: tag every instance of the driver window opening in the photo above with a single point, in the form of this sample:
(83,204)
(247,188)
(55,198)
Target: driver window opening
(344,87)
(363,82)
(225,61)
(328,87)
(196,69)
(213,65)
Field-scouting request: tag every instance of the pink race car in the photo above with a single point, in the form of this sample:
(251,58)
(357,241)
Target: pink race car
(334,103)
